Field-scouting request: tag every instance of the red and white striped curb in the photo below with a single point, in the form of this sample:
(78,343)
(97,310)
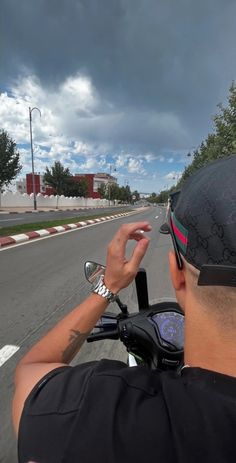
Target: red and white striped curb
(38,211)
(14,239)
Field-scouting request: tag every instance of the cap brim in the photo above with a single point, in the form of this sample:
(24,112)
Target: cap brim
(217,275)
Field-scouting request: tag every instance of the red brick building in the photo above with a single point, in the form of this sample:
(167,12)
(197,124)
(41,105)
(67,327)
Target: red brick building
(40,186)
(94,181)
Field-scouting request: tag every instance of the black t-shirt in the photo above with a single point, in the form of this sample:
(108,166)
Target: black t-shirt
(106,412)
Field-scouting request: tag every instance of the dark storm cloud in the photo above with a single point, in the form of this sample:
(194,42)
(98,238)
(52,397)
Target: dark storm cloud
(170,56)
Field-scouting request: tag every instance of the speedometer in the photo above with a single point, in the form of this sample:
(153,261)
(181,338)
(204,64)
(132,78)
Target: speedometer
(171,327)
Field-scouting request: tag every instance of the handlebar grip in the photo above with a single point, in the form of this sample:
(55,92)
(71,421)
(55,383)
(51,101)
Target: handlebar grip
(112,334)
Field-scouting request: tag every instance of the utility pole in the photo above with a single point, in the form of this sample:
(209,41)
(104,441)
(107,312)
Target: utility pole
(109,185)
(32,152)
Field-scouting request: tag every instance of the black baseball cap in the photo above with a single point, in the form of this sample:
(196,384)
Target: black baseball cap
(202,222)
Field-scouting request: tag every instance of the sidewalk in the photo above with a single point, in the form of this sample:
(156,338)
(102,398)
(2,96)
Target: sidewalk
(15,210)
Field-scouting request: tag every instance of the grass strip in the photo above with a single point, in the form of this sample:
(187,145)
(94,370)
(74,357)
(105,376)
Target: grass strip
(23,228)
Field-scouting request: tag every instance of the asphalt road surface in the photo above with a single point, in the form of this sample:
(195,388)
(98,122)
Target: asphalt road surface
(40,281)
(8,220)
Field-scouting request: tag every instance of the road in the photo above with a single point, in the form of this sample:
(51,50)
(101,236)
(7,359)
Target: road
(8,220)
(41,281)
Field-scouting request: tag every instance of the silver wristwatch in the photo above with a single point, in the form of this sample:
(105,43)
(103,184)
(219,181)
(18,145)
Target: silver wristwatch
(101,289)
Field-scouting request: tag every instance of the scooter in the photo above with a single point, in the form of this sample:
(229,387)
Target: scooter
(153,336)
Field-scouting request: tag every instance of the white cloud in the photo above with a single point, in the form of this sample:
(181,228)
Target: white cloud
(98,164)
(135,166)
(82,131)
(173,175)
(58,107)
(120,161)
(79,92)
(149,157)
(90,163)
(82,148)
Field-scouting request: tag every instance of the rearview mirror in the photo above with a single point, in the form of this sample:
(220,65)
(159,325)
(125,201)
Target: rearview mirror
(164,229)
(93,271)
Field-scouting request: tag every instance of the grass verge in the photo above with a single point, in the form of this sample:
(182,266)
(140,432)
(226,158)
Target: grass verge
(17,229)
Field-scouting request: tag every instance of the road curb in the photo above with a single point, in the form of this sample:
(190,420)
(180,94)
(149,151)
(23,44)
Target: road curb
(50,210)
(22,237)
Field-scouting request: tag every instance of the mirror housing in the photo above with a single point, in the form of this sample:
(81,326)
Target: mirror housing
(164,229)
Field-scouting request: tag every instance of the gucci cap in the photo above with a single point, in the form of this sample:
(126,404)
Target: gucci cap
(202,222)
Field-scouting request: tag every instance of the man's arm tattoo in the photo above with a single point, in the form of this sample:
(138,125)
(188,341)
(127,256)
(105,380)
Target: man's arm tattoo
(76,340)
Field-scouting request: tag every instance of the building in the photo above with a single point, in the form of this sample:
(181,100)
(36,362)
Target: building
(25,185)
(94,181)
(21,185)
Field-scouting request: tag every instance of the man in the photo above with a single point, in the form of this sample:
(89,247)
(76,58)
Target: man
(107,412)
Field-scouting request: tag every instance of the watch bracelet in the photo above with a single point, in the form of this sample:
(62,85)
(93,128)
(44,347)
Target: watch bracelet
(102,290)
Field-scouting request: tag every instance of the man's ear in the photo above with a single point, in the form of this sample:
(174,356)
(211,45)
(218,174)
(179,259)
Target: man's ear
(177,276)
(178,279)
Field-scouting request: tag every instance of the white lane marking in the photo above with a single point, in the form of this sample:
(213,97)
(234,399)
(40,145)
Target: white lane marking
(7,352)
(156,217)
(8,220)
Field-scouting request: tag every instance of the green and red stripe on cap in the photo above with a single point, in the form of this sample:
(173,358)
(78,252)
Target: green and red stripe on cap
(181,234)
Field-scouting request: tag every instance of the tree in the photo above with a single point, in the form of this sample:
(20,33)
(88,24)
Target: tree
(113,191)
(9,159)
(57,177)
(110,191)
(135,196)
(83,187)
(152,198)
(76,187)
(102,190)
(220,143)
(163,196)
(125,195)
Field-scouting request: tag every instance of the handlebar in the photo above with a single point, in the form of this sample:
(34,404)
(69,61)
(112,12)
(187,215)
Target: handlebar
(155,334)
(111,334)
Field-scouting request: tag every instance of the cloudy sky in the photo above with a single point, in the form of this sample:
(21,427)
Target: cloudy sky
(125,84)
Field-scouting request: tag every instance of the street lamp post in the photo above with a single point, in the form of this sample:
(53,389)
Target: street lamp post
(109,185)
(32,152)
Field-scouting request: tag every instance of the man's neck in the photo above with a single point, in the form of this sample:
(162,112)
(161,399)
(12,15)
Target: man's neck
(209,347)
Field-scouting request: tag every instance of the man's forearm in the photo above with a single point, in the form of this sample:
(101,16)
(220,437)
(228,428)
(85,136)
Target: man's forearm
(63,341)
(61,344)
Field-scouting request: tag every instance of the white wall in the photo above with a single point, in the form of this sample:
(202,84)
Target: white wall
(17,199)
